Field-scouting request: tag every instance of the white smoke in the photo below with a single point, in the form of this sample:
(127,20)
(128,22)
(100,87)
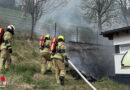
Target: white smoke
(64,12)
(128,4)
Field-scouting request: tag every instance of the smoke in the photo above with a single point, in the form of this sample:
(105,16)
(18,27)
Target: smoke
(95,61)
(66,13)
(92,60)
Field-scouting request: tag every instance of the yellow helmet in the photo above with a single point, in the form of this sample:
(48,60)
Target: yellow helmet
(47,36)
(61,37)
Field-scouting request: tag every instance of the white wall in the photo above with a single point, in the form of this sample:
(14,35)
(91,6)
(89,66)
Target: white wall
(122,38)
(118,70)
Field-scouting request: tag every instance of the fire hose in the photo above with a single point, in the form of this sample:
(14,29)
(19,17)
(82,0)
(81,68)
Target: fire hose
(82,75)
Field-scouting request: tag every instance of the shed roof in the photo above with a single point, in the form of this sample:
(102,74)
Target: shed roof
(110,33)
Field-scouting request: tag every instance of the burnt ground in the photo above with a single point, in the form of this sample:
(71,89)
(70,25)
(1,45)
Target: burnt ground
(93,60)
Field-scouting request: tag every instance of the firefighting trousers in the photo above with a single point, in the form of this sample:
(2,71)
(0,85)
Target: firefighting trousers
(59,69)
(46,62)
(5,58)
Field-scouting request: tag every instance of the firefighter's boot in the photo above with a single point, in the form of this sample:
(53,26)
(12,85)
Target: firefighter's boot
(61,80)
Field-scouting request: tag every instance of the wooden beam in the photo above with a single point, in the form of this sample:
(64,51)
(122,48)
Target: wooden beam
(116,33)
(126,31)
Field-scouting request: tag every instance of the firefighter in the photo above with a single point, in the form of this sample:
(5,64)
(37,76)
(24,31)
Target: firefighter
(58,58)
(6,48)
(45,55)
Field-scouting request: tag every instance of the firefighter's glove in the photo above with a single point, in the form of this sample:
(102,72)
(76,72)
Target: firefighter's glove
(66,59)
(6,41)
(10,51)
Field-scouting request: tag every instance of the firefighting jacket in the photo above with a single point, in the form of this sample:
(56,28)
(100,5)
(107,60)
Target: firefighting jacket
(60,51)
(46,48)
(7,41)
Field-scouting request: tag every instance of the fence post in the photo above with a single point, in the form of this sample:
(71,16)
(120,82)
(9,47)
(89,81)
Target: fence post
(55,29)
(77,33)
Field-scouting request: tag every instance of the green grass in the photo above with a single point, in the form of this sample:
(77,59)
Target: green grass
(14,17)
(25,70)
(25,73)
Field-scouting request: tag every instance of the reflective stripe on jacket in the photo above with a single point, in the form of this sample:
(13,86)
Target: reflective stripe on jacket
(59,55)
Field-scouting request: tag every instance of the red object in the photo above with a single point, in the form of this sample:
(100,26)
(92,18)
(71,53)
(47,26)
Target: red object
(2,78)
(42,37)
(53,44)
(4,83)
(1,34)
(42,40)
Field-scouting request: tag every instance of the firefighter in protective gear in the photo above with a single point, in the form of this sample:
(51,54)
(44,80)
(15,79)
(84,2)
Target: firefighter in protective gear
(58,59)
(6,48)
(46,63)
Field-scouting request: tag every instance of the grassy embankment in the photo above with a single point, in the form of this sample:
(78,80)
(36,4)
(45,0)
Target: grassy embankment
(25,74)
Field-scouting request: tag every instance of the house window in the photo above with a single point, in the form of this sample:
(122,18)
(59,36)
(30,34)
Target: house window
(124,48)
(117,50)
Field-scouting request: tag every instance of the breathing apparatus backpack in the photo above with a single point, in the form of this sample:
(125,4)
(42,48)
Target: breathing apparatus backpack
(1,35)
(53,45)
(41,43)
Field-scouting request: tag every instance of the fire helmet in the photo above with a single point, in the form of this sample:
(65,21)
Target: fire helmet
(47,37)
(11,29)
(61,38)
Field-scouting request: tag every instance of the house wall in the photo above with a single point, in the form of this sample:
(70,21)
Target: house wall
(118,70)
(123,40)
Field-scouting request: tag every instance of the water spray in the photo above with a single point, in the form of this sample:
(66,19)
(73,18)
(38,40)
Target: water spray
(82,75)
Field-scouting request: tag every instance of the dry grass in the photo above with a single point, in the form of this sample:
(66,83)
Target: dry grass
(24,73)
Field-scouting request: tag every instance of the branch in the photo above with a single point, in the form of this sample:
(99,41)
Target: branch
(107,7)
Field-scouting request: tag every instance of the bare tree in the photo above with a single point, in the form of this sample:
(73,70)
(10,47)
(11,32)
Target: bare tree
(99,11)
(125,9)
(35,9)
(39,7)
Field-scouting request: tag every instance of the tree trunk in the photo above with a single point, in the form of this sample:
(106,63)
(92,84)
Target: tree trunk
(99,27)
(99,24)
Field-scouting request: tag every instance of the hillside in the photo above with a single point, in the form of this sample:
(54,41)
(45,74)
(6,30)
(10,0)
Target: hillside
(24,73)
(14,17)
